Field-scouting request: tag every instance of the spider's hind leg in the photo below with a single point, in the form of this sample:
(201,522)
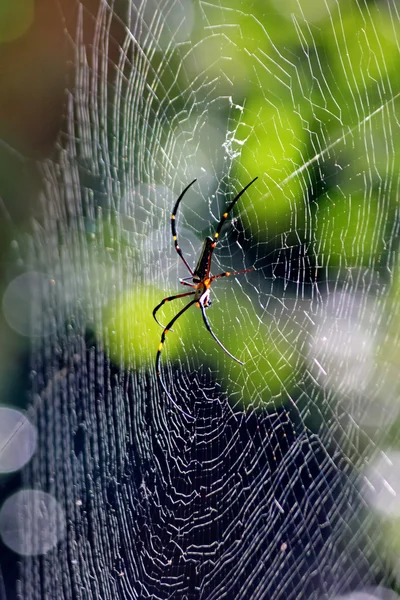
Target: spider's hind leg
(168,299)
(158,356)
(208,327)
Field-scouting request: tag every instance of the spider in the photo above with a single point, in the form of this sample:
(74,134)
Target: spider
(201,283)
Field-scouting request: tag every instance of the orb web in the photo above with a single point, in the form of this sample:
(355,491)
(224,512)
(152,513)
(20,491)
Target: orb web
(262,492)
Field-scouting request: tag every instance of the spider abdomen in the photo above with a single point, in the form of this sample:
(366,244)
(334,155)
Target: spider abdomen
(203,264)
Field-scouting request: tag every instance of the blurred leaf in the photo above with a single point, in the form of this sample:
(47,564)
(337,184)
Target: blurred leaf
(274,147)
(16,16)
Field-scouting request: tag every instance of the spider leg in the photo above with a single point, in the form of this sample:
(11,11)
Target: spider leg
(227,211)
(160,347)
(155,310)
(208,326)
(229,273)
(173,227)
(182,282)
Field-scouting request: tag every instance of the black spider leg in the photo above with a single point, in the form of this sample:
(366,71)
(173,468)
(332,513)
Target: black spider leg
(160,347)
(226,213)
(156,309)
(208,326)
(173,227)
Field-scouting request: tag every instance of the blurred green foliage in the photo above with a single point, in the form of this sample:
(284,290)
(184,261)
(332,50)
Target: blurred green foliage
(16,16)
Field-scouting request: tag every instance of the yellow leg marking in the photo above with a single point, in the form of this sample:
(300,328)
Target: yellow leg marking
(216,235)
(172,217)
(198,304)
(227,274)
(174,238)
(225,215)
(160,346)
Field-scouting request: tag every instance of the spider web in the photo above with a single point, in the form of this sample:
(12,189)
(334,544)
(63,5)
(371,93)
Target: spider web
(283,482)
